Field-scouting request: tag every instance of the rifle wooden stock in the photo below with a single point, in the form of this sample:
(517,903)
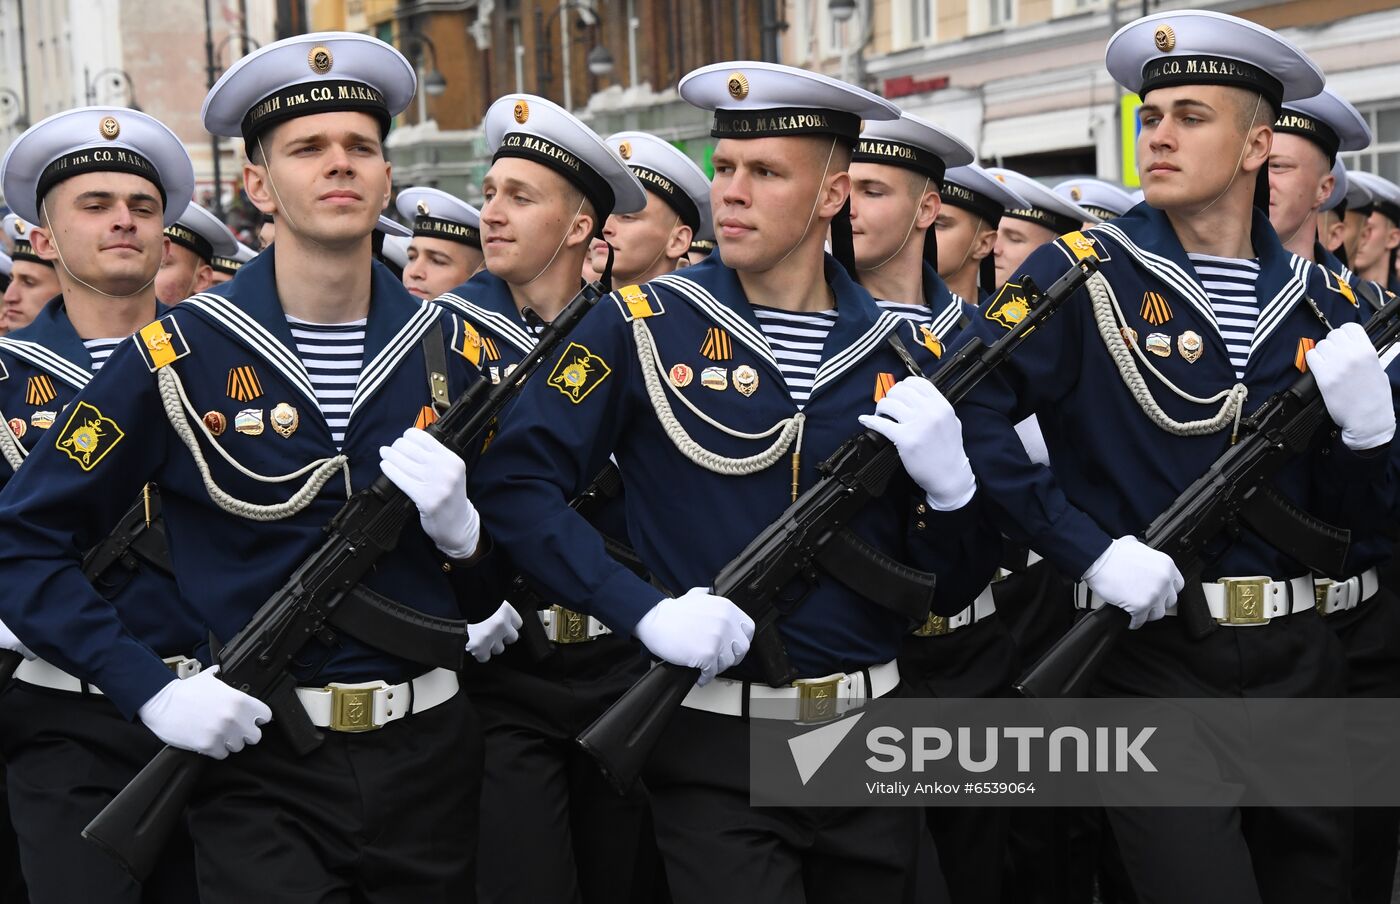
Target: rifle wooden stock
(622,738)
(133,828)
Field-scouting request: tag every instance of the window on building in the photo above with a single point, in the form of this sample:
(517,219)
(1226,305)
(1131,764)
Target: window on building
(914,22)
(1000,13)
(1070,7)
(1383,156)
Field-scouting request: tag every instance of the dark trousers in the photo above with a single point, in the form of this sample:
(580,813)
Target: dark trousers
(552,828)
(718,848)
(1370,634)
(67,755)
(383,817)
(12,889)
(1273,855)
(977,660)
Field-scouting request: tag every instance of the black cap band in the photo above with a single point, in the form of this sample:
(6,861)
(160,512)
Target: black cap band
(181,234)
(671,193)
(961,196)
(782,122)
(1388,209)
(23,251)
(309,98)
(704,246)
(225,264)
(1103,213)
(1166,72)
(1312,128)
(897,153)
(97,160)
(564,162)
(437,228)
(1056,222)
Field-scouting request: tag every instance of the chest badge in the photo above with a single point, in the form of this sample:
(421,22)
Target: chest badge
(1159,344)
(1300,358)
(746,380)
(243,385)
(716,378)
(1190,345)
(285,420)
(216,422)
(1130,335)
(249,422)
(717,346)
(1155,309)
(681,375)
(18,427)
(883,384)
(42,420)
(39,391)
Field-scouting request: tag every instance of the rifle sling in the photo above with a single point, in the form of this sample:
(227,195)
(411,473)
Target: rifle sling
(892,585)
(398,630)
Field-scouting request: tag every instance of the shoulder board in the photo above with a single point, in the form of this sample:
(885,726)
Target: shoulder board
(468,342)
(1343,287)
(161,342)
(1081,245)
(638,302)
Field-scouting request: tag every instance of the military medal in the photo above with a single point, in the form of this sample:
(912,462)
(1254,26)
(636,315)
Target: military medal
(1189,344)
(714,378)
(216,423)
(18,426)
(746,379)
(495,374)
(1130,335)
(681,375)
(42,420)
(1159,344)
(249,421)
(285,419)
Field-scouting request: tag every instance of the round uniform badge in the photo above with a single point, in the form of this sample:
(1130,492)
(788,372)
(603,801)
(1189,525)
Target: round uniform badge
(1164,38)
(285,420)
(18,427)
(423,209)
(738,86)
(320,59)
(746,379)
(681,375)
(625,150)
(521,112)
(216,423)
(1075,194)
(109,127)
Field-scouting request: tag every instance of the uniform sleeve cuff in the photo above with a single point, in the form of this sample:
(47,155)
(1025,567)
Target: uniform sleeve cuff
(133,681)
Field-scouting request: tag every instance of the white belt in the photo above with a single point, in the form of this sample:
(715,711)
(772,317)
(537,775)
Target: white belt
(42,674)
(1032,558)
(374,704)
(1236,601)
(567,626)
(808,700)
(1339,596)
(938,625)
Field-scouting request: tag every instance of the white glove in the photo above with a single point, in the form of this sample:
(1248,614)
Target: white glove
(1137,579)
(8,641)
(489,636)
(698,630)
(928,435)
(203,714)
(436,480)
(1354,387)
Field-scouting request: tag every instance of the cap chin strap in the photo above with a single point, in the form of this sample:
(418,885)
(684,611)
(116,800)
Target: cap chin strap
(607,272)
(282,210)
(53,237)
(816,202)
(1244,148)
(652,263)
(908,232)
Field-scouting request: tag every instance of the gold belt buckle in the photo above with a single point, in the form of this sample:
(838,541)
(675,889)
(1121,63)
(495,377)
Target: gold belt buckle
(1322,587)
(1244,601)
(816,697)
(352,708)
(934,626)
(567,626)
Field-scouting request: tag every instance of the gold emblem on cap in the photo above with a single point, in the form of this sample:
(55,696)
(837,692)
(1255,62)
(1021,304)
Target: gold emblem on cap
(20,226)
(625,149)
(522,111)
(320,59)
(738,86)
(1075,193)
(109,127)
(1164,38)
(422,208)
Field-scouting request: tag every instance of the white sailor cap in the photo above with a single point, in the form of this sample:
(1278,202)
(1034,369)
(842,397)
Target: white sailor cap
(1327,120)
(913,143)
(1138,197)
(766,100)
(667,172)
(203,233)
(533,128)
(1346,189)
(973,188)
(1385,195)
(232,263)
(436,214)
(396,250)
(391,228)
(322,72)
(1059,215)
(91,140)
(20,247)
(7,264)
(1102,199)
(1198,47)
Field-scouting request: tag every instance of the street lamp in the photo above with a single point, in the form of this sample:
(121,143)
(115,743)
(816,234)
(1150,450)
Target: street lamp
(841,10)
(12,110)
(119,77)
(600,61)
(434,83)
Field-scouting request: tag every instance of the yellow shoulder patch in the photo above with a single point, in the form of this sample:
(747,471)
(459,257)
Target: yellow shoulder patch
(1009,307)
(1080,245)
(637,303)
(471,344)
(161,343)
(931,340)
(88,436)
(578,372)
(1345,289)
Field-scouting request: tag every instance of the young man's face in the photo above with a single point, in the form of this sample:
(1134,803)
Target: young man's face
(324,176)
(108,229)
(1378,236)
(1300,180)
(182,274)
(1193,144)
(888,205)
(769,194)
(963,238)
(641,240)
(31,287)
(531,215)
(1016,239)
(436,266)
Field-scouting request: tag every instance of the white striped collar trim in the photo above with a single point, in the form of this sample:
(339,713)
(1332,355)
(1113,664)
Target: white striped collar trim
(394,351)
(501,325)
(701,298)
(852,354)
(1185,284)
(47,360)
(236,321)
(1273,313)
(946,319)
